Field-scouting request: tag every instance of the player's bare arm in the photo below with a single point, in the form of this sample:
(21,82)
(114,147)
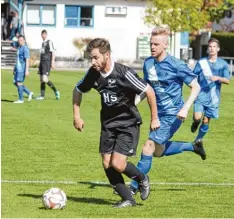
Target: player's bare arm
(195,89)
(151,98)
(220,79)
(77,121)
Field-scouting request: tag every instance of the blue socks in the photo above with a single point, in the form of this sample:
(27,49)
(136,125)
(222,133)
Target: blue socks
(144,166)
(171,148)
(26,90)
(20,92)
(202,131)
(176,147)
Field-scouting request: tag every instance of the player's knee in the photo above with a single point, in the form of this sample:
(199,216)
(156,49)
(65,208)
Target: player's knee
(44,79)
(197,118)
(159,150)
(18,83)
(106,163)
(148,148)
(117,165)
(205,120)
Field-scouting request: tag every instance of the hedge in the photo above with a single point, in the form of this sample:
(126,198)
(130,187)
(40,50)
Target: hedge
(226,43)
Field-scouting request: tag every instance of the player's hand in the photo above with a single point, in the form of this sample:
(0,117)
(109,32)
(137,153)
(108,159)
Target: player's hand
(214,78)
(27,73)
(78,124)
(155,124)
(182,115)
(52,66)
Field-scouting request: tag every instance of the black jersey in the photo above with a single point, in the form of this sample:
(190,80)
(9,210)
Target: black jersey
(118,89)
(46,50)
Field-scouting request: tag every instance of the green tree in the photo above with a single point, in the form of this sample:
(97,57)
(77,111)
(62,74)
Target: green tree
(216,8)
(185,15)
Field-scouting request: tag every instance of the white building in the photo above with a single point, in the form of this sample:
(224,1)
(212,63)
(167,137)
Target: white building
(119,21)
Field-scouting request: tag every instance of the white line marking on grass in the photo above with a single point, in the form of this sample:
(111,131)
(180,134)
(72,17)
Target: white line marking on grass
(105,183)
(49,94)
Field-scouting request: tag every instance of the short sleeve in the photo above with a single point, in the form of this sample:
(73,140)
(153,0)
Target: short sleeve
(134,82)
(26,52)
(145,72)
(87,82)
(51,45)
(186,74)
(226,73)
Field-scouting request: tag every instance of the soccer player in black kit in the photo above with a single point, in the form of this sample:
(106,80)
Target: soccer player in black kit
(118,86)
(47,60)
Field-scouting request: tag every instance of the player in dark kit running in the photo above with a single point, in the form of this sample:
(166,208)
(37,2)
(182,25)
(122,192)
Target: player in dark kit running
(118,86)
(47,60)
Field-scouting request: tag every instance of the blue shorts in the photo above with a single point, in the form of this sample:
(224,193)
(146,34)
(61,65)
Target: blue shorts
(19,77)
(168,126)
(208,111)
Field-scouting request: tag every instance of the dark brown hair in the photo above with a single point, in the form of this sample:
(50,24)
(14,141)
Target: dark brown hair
(21,36)
(44,31)
(102,44)
(214,40)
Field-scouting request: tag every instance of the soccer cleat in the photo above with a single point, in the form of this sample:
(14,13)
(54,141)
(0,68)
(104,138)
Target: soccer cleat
(57,95)
(144,188)
(18,101)
(194,126)
(133,190)
(125,203)
(199,149)
(40,98)
(30,96)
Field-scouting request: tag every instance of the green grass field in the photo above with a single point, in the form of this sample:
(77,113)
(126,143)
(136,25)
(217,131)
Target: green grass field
(39,143)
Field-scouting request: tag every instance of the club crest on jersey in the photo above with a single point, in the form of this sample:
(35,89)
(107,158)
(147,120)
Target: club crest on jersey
(111,83)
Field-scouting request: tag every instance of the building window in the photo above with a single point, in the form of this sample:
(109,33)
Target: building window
(41,15)
(78,16)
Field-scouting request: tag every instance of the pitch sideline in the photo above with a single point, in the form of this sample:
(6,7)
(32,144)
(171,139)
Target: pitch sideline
(225,184)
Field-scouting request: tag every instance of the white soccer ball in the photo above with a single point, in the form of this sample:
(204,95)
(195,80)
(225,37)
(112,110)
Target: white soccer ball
(54,198)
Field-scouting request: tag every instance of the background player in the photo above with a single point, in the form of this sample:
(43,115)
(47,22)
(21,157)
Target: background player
(47,60)
(120,119)
(212,73)
(21,70)
(166,75)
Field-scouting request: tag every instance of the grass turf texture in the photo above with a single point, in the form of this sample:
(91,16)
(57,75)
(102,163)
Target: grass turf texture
(40,143)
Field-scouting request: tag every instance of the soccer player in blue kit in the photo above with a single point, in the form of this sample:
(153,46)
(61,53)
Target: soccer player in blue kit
(21,70)
(166,75)
(212,73)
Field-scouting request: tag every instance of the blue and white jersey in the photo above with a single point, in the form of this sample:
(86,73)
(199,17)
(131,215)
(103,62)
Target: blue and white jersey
(210,90)
(22,55)
(167,78)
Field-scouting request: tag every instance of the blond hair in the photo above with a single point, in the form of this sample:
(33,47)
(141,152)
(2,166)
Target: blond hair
(164,31)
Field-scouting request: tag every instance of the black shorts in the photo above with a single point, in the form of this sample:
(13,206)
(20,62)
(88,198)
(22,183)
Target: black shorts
(44,68)
(121,140)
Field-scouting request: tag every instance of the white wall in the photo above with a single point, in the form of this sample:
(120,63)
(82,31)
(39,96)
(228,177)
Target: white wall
(122,32)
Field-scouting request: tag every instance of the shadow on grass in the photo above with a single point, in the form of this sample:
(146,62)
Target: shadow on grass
(171,190)
(93,185)
(98,201)
(8,101)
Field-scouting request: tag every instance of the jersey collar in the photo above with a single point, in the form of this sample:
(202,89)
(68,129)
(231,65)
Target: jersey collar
(104,75)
